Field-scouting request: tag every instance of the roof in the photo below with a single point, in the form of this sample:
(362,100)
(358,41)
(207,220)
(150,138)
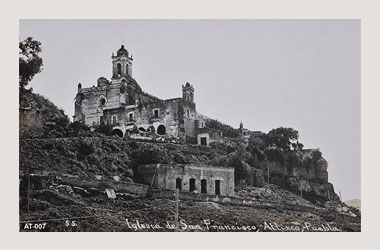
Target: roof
(122,51)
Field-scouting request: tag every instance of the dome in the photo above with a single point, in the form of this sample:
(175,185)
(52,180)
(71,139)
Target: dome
(122,51)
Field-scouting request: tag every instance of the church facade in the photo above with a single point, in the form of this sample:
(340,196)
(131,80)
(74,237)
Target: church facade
(122,103)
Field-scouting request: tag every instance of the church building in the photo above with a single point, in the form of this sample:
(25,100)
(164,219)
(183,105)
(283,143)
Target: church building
(122,103)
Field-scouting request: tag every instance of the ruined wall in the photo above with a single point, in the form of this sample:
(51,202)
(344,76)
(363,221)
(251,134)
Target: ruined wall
(124,98)
(212,135)
(164,176)
(255,177)
(144,115)
(118,186)
(89,107)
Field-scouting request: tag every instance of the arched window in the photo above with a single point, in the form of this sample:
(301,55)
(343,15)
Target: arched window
(102,101)
(119,68)
(192,184)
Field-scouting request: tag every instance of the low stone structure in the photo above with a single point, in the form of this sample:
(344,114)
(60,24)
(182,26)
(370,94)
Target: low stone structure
(197,179)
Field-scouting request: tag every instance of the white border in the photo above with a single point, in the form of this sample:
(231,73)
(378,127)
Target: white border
(367,11)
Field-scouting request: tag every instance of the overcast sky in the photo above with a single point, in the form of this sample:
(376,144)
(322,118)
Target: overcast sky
(303,74)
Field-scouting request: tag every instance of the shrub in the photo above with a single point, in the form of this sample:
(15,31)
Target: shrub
(103,128)
(240,169)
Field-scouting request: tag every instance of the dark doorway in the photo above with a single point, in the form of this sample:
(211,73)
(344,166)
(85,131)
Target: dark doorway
(204,186)
(178,183)
(217,187)
(161,130)
(192,184)
(156,113)
(204,141)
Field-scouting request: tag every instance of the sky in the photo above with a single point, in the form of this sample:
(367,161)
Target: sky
(303,74)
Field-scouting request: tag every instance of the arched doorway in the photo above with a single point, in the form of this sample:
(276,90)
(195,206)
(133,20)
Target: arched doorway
(204,186)
(117,132)
(161,130)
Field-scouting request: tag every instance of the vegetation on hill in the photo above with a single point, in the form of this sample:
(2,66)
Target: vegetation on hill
(227,130)
(30,63)
(98,152)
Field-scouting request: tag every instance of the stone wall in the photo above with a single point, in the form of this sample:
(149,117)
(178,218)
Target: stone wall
(165,177)
(123,187)
(211,135)
(123,98)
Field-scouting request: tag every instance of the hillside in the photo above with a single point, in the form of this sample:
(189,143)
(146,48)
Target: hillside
(65,170)
(86,158)
(39,117)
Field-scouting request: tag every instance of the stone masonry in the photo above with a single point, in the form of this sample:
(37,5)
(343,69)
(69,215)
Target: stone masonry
(122,103)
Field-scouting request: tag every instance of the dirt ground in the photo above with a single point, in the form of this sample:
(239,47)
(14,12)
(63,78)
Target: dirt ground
(54,211)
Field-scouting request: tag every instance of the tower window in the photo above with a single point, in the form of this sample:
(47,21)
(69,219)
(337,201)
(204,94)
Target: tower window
(130,116)
(114,119)
(188,113)
(102,101)
(155,113)
(119,68)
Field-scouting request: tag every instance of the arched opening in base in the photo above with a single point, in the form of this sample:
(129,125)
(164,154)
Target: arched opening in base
(161,130)
(117,132)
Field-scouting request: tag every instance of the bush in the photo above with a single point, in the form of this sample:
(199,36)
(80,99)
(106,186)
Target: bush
(227,130)
(149,155)
(219,160)
(276,155)
(77,128)
(103,128)
(86,149)
(240,169)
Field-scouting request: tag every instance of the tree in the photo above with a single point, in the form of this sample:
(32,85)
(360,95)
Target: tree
(104,128)
(284,138)
(240,169)
(30,63)
(227,130)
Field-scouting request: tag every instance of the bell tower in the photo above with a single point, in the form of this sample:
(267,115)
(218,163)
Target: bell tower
(121,64)
(188,92)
